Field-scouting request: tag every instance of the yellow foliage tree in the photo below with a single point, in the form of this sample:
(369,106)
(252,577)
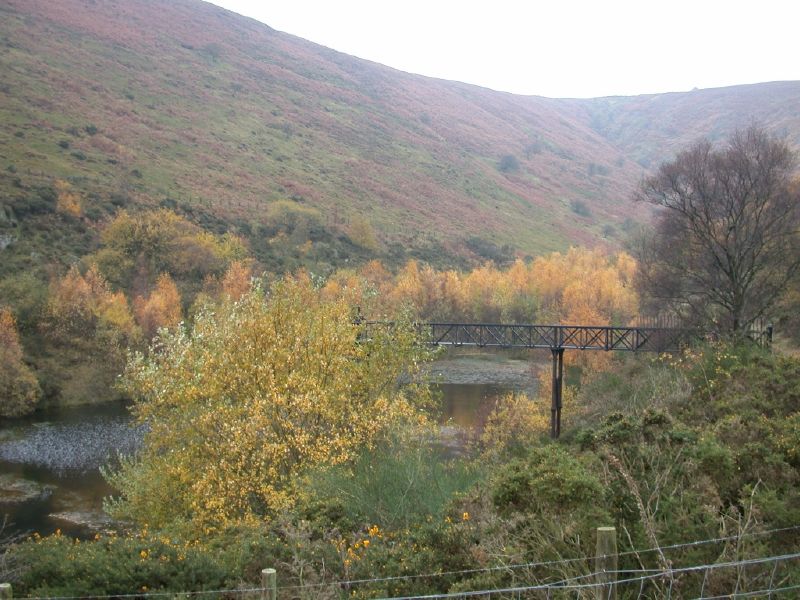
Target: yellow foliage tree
(162,241)
(407,288)
(70,304)
(115,322)
(586,283)
(586,287)
(362,234)
(83,304)
(580,287)
(19,390)
(68,201)
(517,422)
(252,397)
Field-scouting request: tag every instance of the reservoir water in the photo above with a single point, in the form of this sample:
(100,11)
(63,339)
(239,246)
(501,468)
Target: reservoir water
(50,463)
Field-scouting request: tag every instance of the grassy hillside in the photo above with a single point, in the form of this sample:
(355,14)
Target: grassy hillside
(651,128)
(146,101)
(185,105)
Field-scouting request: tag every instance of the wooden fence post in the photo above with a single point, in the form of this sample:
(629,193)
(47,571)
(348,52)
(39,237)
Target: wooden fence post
(606,562)
(269,581)
(5,591)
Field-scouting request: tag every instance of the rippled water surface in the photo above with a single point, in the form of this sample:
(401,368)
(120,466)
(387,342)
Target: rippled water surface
(61,451)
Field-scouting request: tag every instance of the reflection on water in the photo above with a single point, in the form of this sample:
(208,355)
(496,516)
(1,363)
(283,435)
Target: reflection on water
(467,405)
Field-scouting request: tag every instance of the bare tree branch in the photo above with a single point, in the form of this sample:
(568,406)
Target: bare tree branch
(727,242)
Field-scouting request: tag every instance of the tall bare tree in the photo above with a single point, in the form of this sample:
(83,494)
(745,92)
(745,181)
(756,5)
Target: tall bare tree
(726,242)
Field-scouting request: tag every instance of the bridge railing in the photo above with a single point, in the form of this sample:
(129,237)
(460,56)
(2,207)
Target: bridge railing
(566,337)
(557,339)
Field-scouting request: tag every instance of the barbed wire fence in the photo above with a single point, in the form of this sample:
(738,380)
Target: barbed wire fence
(772,576)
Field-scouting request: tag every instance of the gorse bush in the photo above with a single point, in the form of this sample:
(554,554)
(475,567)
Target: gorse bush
(114,565)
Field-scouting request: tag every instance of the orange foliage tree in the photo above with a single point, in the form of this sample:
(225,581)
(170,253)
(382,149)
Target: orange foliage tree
(84,305)
(579,287)
(237,279)
(586,287)
(162,308)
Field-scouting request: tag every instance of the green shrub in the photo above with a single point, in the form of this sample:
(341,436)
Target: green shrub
(580,208)
(40,202)
(112,565)
(397,485)
(550,480)
(508,163)
(487,249)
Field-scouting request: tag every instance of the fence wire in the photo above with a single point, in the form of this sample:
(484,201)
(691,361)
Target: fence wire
(758,577)
(644,584)
(539,564)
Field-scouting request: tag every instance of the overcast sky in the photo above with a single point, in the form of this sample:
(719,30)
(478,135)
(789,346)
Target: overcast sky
(556,48)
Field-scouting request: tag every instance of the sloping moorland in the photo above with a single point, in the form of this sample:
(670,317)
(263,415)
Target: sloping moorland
(256,144)
(186,105)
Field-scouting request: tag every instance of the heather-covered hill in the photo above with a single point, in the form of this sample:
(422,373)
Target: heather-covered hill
(148,100)
(650,128)
(182,104)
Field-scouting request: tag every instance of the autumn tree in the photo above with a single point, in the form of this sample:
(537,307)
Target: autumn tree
(68,201)
(237,279)
(726,241)
(586,286)
(161,308)
(146,244)
(84,305)
(251,397)
(89,328)
(580,286)
(363,234)
(19,390)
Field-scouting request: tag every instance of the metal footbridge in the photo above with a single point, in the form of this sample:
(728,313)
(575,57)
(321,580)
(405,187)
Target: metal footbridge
(558,338)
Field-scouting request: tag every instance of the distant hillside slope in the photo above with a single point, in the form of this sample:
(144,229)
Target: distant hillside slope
(181,103)
(649,129)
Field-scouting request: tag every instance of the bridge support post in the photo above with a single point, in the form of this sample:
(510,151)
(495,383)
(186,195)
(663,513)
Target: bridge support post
(558,384)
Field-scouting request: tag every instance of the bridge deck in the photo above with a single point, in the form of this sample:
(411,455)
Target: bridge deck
(559,337)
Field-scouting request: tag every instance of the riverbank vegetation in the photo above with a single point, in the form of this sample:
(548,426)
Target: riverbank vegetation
(278,437)
(156,269)
(255,395)
(670,449)
(20,388)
